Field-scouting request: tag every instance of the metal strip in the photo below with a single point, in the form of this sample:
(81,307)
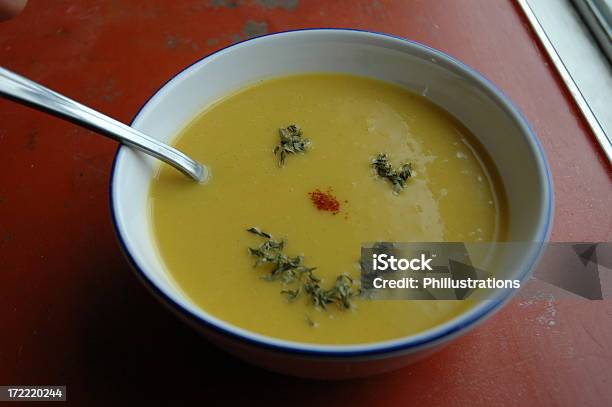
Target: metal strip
(597,23)
(581,102)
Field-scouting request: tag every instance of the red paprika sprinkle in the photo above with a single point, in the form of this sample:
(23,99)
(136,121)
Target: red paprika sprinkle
(325,201)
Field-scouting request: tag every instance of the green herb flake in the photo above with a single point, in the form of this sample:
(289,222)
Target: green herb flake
(258,232)
(291,142)
(310,322)
(398,178)
(297,277)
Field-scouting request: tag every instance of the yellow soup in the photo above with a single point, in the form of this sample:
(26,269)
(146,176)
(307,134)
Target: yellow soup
(453,195)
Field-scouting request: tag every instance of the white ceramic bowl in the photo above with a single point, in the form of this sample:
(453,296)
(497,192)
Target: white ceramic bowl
(450,84)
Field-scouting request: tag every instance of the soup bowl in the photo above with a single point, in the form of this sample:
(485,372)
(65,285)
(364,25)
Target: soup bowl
(458,89)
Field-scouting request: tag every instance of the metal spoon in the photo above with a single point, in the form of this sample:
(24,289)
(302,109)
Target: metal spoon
(24,91)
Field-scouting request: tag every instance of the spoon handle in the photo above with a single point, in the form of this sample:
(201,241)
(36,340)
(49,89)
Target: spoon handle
(24,91)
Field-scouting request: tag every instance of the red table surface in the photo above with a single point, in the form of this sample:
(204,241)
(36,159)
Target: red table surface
(72,312)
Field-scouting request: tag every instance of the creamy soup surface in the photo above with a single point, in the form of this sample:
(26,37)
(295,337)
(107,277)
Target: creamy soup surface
(453,195)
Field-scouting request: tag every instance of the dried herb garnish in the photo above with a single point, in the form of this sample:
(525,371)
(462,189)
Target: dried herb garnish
(341,293)
(291,142)
(310,322)
(288,269)
(397,177)
(297,277)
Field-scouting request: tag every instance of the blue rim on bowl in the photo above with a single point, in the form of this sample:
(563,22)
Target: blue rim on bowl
(413,342)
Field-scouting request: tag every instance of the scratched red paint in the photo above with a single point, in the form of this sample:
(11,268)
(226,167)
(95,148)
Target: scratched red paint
(72,313)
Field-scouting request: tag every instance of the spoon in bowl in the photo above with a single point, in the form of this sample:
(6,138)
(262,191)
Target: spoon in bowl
(29,93)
